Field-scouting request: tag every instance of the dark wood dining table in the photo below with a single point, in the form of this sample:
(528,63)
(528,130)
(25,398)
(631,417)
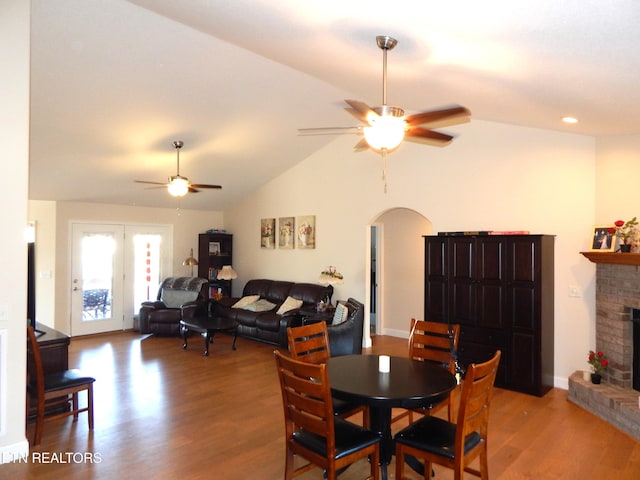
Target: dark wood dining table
(408,384)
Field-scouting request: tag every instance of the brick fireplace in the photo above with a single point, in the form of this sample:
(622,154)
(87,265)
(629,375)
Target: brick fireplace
(617,294)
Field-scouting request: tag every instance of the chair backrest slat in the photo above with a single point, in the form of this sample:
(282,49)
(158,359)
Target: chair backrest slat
(434,341)
(309,343)
(306,397)
(475,398)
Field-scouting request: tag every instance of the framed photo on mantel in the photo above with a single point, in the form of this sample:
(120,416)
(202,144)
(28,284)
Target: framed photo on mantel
(602,240)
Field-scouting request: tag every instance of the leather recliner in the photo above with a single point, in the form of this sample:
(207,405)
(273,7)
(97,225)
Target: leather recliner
(178,298)
(345,338)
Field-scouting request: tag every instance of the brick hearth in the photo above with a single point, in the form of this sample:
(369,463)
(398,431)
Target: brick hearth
(617,292)
(614,404)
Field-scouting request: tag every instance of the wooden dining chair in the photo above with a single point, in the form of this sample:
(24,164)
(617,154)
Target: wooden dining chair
(438,343)
(454,445)
(312,431)
(310,343)
(54,389)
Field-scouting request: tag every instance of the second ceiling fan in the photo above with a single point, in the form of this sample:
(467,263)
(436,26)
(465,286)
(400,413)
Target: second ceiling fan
(386,126)
(177,185)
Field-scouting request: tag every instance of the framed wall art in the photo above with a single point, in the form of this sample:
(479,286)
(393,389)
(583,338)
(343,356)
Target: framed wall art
(268,233)
(286,232)
(602,239)
(306,231)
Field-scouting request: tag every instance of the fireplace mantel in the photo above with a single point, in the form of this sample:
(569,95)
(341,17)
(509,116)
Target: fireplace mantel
(613,258)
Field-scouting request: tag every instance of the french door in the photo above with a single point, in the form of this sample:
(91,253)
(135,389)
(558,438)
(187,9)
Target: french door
(115,267)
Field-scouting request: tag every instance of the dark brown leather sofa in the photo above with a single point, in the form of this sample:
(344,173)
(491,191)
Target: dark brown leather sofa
(268,326)
(178,298)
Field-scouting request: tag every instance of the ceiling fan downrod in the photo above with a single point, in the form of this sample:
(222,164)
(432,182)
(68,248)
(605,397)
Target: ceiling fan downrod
(386,43)
(178,144)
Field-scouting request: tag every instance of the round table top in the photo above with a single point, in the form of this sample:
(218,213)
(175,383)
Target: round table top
(408,384)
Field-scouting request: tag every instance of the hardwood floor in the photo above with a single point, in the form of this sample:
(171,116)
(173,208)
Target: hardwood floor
(162,412)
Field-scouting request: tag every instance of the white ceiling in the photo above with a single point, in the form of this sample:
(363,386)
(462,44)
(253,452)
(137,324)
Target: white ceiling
(114,82)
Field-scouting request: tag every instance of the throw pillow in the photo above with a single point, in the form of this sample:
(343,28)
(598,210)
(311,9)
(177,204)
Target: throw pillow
(340,315)
(289,304)
(244,301)
(262,305)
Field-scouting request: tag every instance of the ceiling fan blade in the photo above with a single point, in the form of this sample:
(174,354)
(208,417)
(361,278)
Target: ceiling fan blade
(204,185)
(329,130)
(450,115)
(360,110)
(361,146)
(192,190)
(424,135)
(164,184)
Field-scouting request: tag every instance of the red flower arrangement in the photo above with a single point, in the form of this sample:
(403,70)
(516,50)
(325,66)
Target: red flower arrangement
(598,361)
(625,230)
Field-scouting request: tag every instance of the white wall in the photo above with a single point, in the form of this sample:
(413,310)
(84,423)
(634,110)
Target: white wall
(492,177)
(14,125)
(617,178)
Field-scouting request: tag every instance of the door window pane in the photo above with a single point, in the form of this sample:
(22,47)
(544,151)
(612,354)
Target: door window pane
(97,276)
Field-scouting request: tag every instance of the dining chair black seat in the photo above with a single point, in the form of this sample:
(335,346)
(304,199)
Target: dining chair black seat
(454,445)
(54,389)
(312,431)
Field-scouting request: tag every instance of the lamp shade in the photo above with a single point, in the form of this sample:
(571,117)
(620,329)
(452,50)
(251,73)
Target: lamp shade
(331,276)
(227,273)
(178,186)
(387,129)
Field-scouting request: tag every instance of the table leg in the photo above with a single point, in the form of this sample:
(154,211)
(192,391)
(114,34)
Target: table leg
(207,339)
(380,423)
(185,331)
(235,335)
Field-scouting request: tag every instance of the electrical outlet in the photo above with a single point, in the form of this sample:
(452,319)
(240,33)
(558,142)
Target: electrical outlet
(575,291)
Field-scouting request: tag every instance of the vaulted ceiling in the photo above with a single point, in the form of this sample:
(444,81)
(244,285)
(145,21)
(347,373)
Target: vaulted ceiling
(115,82)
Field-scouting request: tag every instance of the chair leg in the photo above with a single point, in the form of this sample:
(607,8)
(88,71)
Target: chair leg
(399,463)
(484,464)
(288,465)
(74,400)
(90,405)
(37,434)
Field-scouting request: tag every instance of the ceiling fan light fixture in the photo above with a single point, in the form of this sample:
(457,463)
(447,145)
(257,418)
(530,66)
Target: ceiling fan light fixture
(178,186)
(385,132)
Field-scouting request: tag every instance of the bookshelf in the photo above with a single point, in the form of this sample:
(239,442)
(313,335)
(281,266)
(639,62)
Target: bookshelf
(214,251)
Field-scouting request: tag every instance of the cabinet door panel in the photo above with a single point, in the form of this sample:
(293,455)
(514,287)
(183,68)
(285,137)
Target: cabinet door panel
(463,303)
(435,299)
(462,286)
(490,305)
(524,267)
(435,302)
(462,258)
(435,257)
(491,253)
(524,307)
(523,373)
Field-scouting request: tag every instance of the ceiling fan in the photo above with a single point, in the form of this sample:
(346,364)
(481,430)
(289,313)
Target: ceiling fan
(179,186)
(385,127)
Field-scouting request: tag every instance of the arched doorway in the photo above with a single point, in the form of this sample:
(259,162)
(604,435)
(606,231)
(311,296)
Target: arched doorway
(395,271)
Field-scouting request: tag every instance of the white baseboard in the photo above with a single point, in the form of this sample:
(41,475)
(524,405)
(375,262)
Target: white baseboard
(18,452)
